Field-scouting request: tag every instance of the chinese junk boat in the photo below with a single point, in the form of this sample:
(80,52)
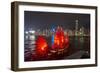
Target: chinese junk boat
(57,49)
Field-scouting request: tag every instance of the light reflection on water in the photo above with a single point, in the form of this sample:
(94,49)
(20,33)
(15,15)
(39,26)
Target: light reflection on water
(80,43)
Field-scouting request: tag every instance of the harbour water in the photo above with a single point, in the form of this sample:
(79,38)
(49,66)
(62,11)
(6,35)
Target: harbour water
(76,44)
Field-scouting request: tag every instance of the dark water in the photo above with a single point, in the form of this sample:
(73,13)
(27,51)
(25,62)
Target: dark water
(79,48)
(80,44)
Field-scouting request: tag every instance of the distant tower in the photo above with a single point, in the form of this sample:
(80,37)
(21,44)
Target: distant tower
(81,31)
(76,27)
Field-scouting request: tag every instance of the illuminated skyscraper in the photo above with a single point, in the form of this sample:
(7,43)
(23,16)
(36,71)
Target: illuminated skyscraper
(76,27)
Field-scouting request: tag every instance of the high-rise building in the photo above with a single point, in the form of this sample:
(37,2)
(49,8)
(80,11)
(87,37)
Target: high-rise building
(76,27)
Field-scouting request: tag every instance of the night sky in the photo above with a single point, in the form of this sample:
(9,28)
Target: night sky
(45,20)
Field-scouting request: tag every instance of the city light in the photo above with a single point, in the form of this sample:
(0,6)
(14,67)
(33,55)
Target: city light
(26,32)
(32,31)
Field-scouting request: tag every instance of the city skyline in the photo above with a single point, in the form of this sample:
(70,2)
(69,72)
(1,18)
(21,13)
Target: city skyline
(47,20)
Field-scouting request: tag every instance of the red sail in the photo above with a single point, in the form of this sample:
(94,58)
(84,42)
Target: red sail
(60,40)
(41,46)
